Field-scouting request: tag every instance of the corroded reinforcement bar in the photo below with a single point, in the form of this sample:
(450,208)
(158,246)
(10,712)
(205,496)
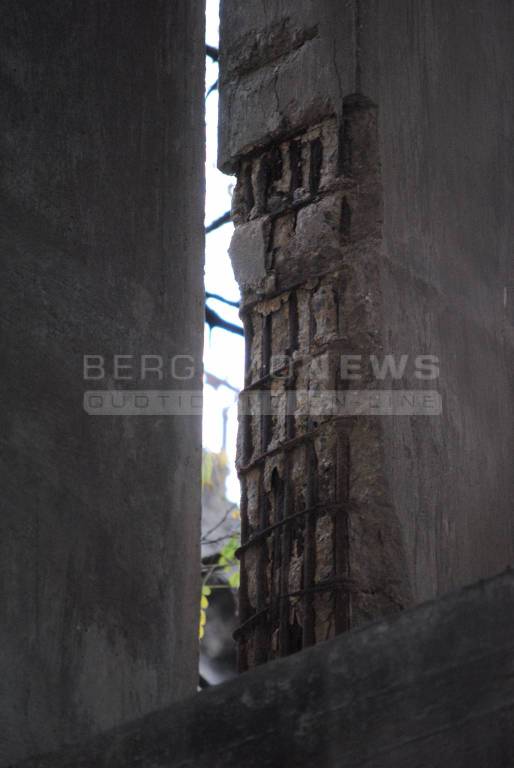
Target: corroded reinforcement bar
(433,686)
(307,212)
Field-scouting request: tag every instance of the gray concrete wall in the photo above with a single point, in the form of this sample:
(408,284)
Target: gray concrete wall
(439,72)
(101,139)
(430,499)
(432,687)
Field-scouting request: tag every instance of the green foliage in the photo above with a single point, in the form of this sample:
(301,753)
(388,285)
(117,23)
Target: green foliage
(228,567)
(204,604)
(229,562)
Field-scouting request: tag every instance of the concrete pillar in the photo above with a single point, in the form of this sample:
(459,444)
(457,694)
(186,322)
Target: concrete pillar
(370,142)
(101,134)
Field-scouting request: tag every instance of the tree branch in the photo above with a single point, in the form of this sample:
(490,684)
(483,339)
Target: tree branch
(212,52)
(217,297)
(217,223)
(213,320)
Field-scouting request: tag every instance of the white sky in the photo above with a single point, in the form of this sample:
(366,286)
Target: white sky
(223,351)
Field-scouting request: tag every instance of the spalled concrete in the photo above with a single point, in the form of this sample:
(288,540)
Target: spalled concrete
(101,209)
(374,135)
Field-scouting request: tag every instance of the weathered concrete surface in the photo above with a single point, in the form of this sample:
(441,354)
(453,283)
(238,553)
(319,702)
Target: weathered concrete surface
(439,72)
(431,687)
(277,74)
(419,251)
(101,238)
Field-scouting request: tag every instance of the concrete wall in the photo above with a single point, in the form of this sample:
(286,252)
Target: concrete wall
(102,244)
(420,262)
(432,687)
(439,73)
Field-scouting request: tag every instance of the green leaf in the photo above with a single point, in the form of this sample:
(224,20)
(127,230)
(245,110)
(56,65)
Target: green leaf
(229,561)
(233,579)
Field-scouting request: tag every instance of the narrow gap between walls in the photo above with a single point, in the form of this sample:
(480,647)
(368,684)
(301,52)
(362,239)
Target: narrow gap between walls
(224,358)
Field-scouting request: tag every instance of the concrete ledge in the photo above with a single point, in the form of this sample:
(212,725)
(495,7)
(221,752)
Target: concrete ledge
(431,687)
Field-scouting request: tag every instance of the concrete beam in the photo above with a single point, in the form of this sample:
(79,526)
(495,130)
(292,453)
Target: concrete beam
(432,687)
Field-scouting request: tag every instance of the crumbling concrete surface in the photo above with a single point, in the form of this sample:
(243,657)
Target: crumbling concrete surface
(370,143)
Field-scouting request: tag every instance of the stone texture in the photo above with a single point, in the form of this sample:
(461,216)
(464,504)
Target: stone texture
(432,687)
(102,242)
